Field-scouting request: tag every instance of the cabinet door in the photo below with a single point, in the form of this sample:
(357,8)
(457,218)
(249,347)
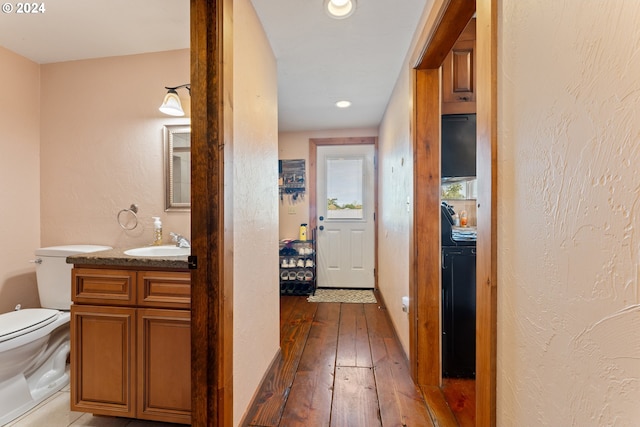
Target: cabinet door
(164,365)
(459,312)
(458,75)
(103,367)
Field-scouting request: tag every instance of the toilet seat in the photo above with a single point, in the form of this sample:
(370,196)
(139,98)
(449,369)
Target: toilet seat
(21,322)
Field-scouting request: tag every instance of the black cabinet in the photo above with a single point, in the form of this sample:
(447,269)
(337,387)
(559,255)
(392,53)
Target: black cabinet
(458,312)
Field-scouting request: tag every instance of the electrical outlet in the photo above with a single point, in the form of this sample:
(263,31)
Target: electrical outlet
(405,304)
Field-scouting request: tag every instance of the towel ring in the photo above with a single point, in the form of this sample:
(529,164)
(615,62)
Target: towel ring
(133,210)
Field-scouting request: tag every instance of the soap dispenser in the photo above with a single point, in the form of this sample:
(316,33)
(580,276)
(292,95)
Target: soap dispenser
(157,231)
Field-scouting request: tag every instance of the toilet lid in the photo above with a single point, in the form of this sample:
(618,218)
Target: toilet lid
(20,322)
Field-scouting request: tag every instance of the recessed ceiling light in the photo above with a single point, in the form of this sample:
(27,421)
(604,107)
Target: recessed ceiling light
(340,9)
(343,104)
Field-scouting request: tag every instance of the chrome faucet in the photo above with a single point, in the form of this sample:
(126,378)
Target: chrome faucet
(181,241)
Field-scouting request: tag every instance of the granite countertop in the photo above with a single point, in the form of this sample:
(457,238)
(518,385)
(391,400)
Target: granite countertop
(117,258)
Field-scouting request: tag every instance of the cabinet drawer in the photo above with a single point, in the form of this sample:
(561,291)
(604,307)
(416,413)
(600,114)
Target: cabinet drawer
(97,286)
(164,289)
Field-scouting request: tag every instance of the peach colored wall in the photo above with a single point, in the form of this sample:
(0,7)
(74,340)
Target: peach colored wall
(102,147)
(568,188)
(395,209)
(256,310)
(295,145)
(19,180)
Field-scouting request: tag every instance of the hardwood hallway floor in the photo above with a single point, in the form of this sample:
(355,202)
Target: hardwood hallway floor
(341,365)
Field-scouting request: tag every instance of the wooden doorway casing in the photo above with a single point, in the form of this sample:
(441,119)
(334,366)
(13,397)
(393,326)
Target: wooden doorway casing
(211,219)
(444,25)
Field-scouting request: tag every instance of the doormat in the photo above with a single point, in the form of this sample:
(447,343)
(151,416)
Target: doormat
(357,296)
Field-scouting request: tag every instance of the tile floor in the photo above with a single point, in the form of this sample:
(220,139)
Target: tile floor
(55,412)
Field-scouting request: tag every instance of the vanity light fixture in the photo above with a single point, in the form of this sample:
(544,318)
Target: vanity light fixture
(340,9)
(171,104)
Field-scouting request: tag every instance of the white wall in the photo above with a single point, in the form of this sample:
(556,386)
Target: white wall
(256,309)
(19,180)
(569,149)
(295,145)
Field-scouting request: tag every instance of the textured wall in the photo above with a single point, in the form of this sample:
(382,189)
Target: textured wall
(256,310)
(569,149)
(19,179)
(395,175)
(102,147)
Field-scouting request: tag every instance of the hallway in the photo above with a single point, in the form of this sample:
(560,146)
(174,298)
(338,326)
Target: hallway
(340,365)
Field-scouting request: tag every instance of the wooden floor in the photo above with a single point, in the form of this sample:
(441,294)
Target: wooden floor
(341,365)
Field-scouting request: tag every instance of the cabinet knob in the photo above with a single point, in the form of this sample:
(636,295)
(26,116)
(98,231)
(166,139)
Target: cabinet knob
(321,227)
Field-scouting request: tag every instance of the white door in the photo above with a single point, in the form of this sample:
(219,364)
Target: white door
(346,214)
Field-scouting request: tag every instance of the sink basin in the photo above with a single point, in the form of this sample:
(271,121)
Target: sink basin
(158,251)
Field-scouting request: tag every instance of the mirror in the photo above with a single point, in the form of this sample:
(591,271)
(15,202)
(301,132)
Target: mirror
(177,149)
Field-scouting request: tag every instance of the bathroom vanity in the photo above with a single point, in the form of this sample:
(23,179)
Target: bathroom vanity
(131,336)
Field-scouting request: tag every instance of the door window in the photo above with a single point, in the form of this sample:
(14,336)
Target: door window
(345,188)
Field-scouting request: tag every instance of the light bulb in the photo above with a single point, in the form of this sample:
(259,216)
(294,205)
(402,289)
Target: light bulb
(340,9)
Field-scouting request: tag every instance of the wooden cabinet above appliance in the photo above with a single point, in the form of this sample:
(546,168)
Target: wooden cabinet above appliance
(458,74)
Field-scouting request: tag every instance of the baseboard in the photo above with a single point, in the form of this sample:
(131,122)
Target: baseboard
(252,402)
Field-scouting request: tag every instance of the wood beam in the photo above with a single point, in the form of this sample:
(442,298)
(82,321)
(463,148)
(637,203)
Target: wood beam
(487,170)
(425,289)
(211,137)
(447,26)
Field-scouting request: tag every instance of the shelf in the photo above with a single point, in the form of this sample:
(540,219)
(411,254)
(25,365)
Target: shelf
(295,287)
(303,280)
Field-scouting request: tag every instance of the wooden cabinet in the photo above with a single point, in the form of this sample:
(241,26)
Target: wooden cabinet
(131,344)
(458,74)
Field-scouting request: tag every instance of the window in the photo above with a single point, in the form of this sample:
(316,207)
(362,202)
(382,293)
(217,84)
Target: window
(345,188)
(459,189)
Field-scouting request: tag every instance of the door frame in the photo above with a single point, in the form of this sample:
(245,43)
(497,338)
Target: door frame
(211,216)
(314,143)
(447,20)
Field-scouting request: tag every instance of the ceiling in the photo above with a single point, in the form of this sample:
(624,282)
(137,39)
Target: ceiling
(320,60)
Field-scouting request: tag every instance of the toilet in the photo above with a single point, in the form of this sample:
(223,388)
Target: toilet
(35,342)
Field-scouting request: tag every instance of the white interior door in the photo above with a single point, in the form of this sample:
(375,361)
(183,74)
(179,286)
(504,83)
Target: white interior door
(346,216)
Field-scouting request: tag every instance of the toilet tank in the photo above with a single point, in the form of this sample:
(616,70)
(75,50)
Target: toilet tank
(53,274)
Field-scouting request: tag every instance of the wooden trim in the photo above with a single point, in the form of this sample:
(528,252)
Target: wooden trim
(487,170)
(212,283)
(277,357)
(444,26)
(425,289)
(313,164)
(446,22)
